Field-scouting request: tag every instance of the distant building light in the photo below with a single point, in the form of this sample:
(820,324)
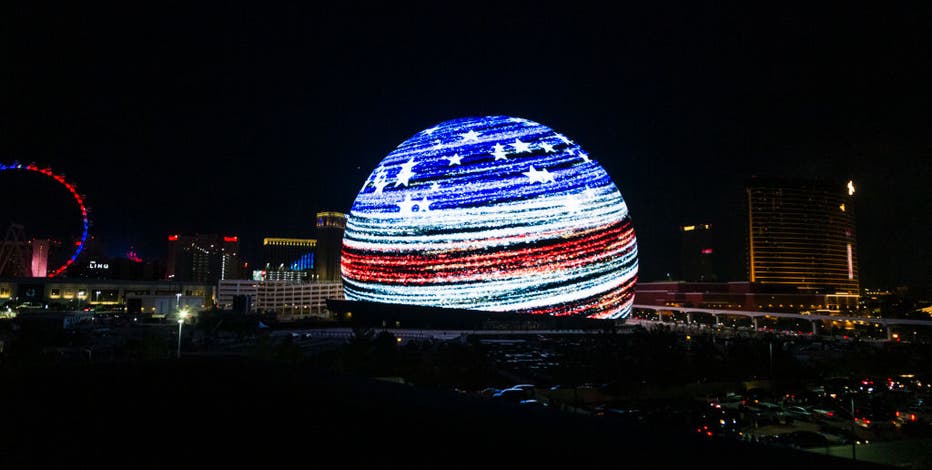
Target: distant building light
(689,228)
(850,263)
(707,251)
(850,188)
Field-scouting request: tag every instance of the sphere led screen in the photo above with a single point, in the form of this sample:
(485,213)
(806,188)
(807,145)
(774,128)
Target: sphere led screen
(493,213)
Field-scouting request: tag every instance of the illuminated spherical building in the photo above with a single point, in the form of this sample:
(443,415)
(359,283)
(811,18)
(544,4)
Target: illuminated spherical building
(493,213)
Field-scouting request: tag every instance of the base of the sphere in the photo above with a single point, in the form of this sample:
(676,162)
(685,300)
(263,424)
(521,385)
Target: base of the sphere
(383,315)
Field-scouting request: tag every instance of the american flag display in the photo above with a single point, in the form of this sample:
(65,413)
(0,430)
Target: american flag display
(492,213)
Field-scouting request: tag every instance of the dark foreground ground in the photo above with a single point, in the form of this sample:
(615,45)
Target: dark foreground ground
(213,413)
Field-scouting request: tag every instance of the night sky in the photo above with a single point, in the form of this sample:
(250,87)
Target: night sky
(247,120)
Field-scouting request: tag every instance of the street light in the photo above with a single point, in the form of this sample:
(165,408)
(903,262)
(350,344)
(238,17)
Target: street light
(182,314)
(98,297)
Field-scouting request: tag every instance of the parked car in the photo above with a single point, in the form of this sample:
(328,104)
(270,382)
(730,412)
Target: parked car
(533,403)
(488,392)
(513,395)
(528,388)
(797,412)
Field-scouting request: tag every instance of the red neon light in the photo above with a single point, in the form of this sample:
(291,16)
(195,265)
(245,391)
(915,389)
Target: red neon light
(172,238)
(707,251)
(231,239)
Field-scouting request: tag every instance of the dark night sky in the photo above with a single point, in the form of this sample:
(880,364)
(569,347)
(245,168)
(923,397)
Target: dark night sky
(248,119)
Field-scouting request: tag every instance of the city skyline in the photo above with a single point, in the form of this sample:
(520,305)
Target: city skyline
(248,121)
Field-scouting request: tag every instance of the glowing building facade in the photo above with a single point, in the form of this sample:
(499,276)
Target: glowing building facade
(40,258)
(288,299)
(297,299)
(801,233)
(493,213)
(290,259)
(295,254)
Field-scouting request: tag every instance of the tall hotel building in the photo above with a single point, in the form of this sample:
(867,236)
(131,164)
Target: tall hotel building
(330,227)
(203,258)
(698,253)
(801,233)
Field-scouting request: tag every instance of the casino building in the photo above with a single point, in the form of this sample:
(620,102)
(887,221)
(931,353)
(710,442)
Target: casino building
(748,296)
(287,259)
(287,299)
(153,297)
(801,233)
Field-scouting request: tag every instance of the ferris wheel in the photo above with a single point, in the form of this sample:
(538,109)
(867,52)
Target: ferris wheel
(78,199)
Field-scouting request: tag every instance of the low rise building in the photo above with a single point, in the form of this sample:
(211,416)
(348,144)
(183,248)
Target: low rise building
(288,299)
(742,296)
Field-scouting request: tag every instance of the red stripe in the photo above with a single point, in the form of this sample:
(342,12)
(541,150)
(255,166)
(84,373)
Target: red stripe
(601,305)
(596,244)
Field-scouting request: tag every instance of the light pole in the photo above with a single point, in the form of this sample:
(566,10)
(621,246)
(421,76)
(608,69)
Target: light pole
(178,301)
(98,296)
(853,436)
(771,359)
(181,316)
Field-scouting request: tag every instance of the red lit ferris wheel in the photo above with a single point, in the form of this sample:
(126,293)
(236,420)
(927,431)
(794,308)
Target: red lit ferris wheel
(78,199)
